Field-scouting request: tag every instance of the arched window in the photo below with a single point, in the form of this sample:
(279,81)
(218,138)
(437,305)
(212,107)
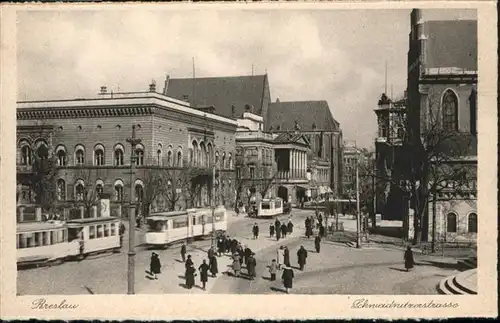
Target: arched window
(217,158)
(99,155)
(79,155)
(119,190)
(194,154)
(139,191)
(210,155)
(450,111)
(472,223)
(179,158)
(473,111)
(139,155)
(61,189)
(26,155)
(400,132)
(230,161)
(61,155)
(170,158)
(119,151)
(223,161)
(79,190)
(158,157)
(203,155)
(99,187)
(41,149)
(451,222)
(382,130)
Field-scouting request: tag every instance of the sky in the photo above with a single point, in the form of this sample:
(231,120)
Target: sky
(333,55)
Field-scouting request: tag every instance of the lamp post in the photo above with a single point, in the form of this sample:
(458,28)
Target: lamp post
(131,247)
(358,235)
(212,202)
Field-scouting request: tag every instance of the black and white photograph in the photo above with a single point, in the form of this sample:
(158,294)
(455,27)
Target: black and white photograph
(248,151)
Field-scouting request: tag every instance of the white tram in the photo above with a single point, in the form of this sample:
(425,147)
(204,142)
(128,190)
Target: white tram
(270,207)
(168,227)
(42,242)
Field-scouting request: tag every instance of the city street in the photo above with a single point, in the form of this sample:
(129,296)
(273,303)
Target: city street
(337,270)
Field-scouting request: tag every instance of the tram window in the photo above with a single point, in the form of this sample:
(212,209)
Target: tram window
(113,229)
(18,241)
(39,238)
(46,238)
(265,206)
(91,232)
(106,232)
(277,204)
(53,237)
(30,237)
(194,220)
(22,242)
(72,234)
(179,223)
(99,231)
(64,233)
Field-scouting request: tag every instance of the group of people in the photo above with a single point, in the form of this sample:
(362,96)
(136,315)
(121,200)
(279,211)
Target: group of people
(204,268)
(312,223)
(280,229)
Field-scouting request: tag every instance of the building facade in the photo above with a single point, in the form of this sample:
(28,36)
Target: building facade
(89,139)
(442,80)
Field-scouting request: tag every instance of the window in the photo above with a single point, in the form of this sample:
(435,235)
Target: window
(382,130)
(169,158)
(252,172)
(217,158)
(113,229)
(26,155)
(99,188)
(61,190)
(472,223)
(194,154)
(230,161)
(400,132)
(139,158)
(238,172)
(223,162)
(451,222)
(473,112)
(61,156)
(106,232)
(119,155)
(179,159)
(79,191)
(91,232)
(139,193)
(80,155)
(99,155)
(450,111)
(99,231)
(119,190)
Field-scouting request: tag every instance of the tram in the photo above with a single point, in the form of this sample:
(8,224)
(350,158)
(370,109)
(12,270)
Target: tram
(168,227)
(270,207)
(56,241)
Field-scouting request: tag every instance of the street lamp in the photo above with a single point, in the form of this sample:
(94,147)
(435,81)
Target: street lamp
(131,247)
(358,235)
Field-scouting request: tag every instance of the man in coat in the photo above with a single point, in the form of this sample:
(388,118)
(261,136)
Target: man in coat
(210,253)
(287,278)
(214,269)
(408,257)
(183,252)
(203,273)
(155,265)
(251,264)
(290,226)
(317,243)
(286,257)
(302,255)
(236,264)
(189,262)
(255,231)
(277,225)
(284,229)
(271,230)
(247,252)
(190,273)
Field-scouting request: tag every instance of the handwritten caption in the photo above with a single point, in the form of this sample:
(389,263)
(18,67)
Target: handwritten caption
(42,304)
(364,303)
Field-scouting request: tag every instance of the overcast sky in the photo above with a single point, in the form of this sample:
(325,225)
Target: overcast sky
(332,55)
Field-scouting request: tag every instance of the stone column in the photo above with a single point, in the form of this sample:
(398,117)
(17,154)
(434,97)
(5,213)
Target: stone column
(38,214)
(21,214)
(82,211)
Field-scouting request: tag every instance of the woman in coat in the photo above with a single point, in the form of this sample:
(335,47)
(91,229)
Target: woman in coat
(183,252)
(189,262)
(236,265)
(214,269)
(280,256)
(302,255)
(273,268)
(203,273)
(287,278)
(251,264)
(409,262)
(271,230)
(286,257)
(190,273)
(155,265)
(290,226)
(317,243)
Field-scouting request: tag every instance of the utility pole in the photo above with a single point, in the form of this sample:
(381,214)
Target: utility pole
(358,222)
(433,242)
(131,247)
(374,224)
(213,206)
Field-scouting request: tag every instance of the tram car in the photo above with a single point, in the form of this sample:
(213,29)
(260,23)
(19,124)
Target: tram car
(56,241)
(167,227)
(270,207)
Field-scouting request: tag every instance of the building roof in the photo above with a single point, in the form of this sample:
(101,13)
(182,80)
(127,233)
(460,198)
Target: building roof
(221,92)
(306,114)
(451,43)
(288,137)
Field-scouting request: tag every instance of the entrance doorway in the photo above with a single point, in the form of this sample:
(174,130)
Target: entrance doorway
(283,193)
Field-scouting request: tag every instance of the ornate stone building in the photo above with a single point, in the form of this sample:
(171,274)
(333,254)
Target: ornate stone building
(89,140)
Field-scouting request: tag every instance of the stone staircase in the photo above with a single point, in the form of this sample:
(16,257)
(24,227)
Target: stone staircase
(464,283)
(468,263)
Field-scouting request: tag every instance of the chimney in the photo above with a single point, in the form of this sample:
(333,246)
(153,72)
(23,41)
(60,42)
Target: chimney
(165,89)
(104,89)
(152,86)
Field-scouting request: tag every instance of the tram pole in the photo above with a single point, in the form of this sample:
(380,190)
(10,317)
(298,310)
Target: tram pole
(131,246)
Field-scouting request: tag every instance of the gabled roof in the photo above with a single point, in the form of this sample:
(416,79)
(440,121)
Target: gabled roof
(221,92)
(305,114)
(290,137)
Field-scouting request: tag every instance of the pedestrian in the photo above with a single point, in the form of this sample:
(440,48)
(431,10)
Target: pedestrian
(317,243)
(214,268)
(302,255)
(241,252)
(247,252)
(409,261)
(122,232)
(251,264)
(290,226)
(189,275)
(236,264)
(287,278)
(320,219)
(280,256)
(154,265)
(286,257)
(307,222)
(278,233)
(183,252)
(220,246)
(271,230)
(255,231)
(273,268)
(321,230)
(284,229)
(204,273)
(189,262)
(210,253)
(277,225)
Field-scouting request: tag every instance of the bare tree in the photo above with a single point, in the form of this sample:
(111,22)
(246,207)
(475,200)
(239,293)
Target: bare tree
(88,194)
(154,187)
(176,179)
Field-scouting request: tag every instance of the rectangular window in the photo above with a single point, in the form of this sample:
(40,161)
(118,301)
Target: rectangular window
(91,232)
(22,241)
(113,229)
(53,237)
(99,231)
(64,235)
(46,238)
(106,232)
(18,241)
(252,172)
(30,240)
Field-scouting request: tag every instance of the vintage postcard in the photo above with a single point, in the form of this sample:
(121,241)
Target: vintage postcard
(249,160)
